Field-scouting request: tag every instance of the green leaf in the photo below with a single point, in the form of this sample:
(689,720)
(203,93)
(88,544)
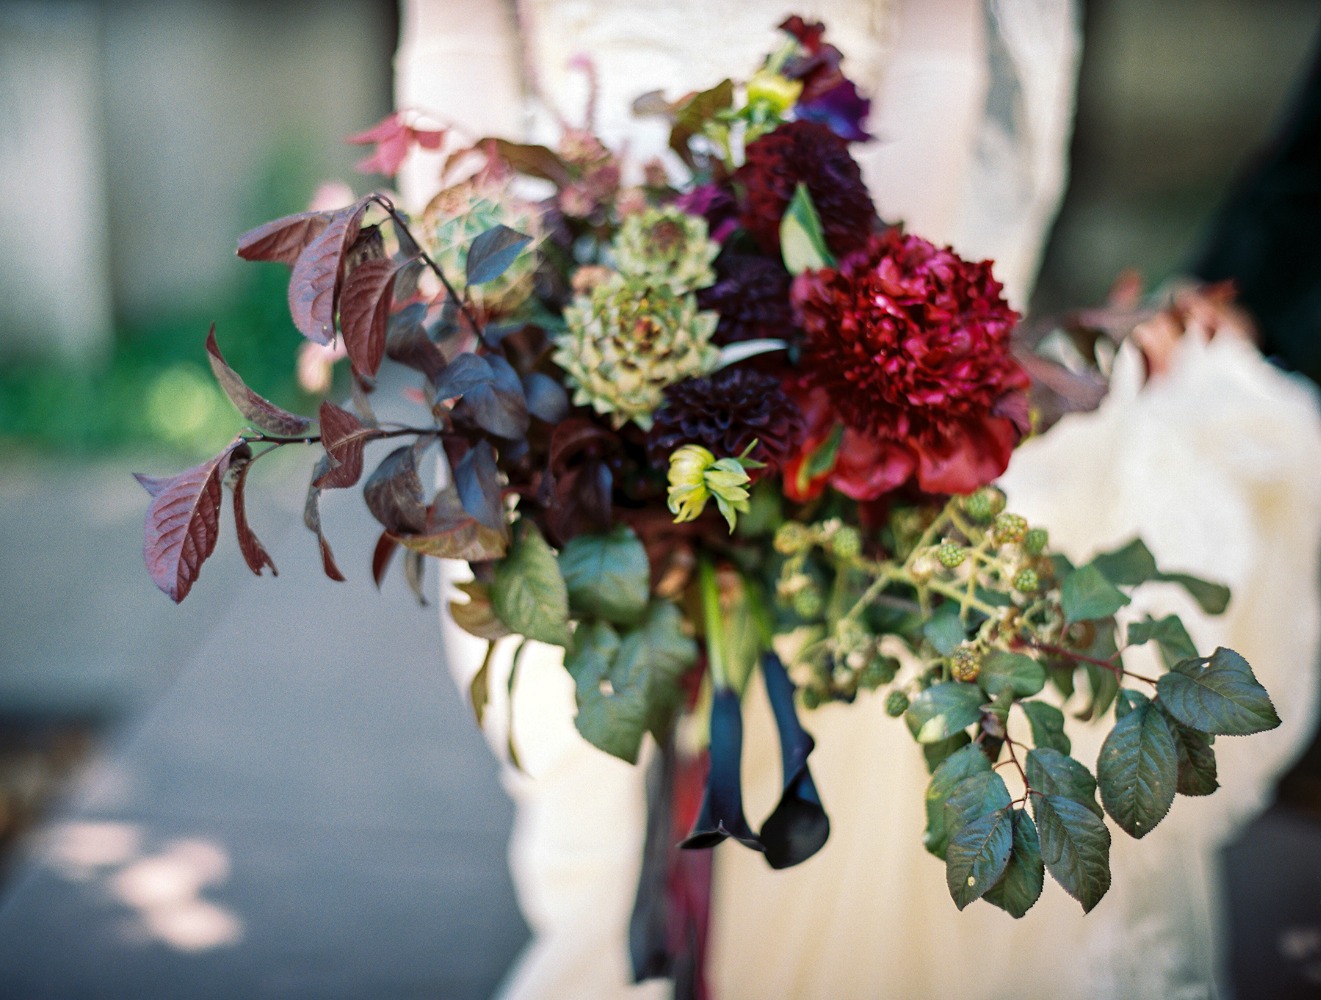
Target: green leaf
(1075,847)
(628,685)
(974,797)
(1014,672)
(1197,760)
(936,754)
(476,616)
(942,710)
(528,593)
(1025,875)
(959,765)
(1169,633)
(1104,685)
(1212,598)
(1047,723)
(1128,700)
(492,253)
(801,239)
(1053,773)
(1217,695)
(944,630)
(607,576)
(1128,566)
(1138,770)
(978,855)
(1087,594)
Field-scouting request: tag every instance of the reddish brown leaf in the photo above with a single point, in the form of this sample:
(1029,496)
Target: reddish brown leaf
(283,239)
(392,137)
(453,533)
(314,285)
(394,494)
(183,522)
(254,553)
(364,311)
(312,518)
(386,546)
(261,412)
(476,616)
(535,161)
(343,437)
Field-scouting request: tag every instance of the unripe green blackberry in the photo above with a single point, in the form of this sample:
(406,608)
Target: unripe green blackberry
(811,698)
(1026,581)
(951,555)
(846,542)
(791,538)
(878,670)
(983,505)
(965,664)
(1035,541)
(896,704)
(1009,528)
(807,603)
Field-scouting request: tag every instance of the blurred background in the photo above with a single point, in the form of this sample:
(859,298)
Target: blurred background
(138,138)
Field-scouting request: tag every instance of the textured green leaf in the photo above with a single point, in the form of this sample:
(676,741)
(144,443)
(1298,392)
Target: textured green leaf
(1217,694)
(1212,598)
(974,797)
(944,630)
(1127,566)
(1075,846)
(1138,770)
(628,684)
(1087,594)
(1014,672)
(802,241)
(1128,700)
(977,856)
(936,754)
(942,710)
(608,576)
(959,765)
(1169,633)
(1053,773)
(1025,875)
(1047,723)
(1197,760)
(528,593)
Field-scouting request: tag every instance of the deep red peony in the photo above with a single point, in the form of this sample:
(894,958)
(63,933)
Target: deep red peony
(907,346)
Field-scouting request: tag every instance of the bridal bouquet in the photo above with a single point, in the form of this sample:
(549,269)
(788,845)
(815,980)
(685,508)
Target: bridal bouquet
(696,428)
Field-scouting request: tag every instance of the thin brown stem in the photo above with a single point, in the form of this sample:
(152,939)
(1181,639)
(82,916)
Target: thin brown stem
(1054,650)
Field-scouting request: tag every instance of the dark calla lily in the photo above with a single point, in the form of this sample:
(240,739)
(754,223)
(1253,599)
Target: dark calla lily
(841,108)
(722,808)
(798,827)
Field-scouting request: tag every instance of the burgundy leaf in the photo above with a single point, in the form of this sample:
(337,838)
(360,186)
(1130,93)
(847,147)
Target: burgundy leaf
(394,494)
(254,553)
(535,161)
(283,239)
(411,267)
(478,481)
(406,341)
(315,283)
(153,484)
(386,546)
(393,138)
(261,412)
(343,437)
(312,518)
(183,522)
(453,533)
(364,310)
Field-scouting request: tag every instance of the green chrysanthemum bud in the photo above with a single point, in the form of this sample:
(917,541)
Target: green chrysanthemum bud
(846,542)
(1035,541)
(696,476)
(1026,581)
(627,341)
(983,505)
(792,537)
(965,664)
(950,555)
(1009,528)
(896,704)
(666,246)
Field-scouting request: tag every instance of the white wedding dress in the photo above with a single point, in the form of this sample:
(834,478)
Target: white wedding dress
(1214,465)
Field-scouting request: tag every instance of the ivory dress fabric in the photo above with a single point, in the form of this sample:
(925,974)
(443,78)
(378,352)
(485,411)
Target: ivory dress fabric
(1214,465)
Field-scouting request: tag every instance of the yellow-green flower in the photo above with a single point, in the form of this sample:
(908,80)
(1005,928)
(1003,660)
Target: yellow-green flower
(769,87)
(696,476)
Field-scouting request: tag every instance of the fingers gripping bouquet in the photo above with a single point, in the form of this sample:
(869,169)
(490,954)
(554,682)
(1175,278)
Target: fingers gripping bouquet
(697,429)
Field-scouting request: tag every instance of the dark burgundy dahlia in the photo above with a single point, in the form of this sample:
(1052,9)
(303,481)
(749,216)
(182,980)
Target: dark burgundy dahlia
(907,346)
(805,152)
(725,413)
(751,294)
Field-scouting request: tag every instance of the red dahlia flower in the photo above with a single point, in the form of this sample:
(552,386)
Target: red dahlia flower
(907,347)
